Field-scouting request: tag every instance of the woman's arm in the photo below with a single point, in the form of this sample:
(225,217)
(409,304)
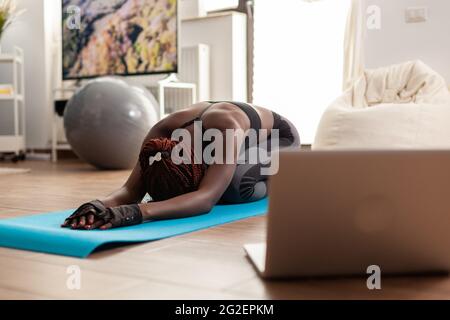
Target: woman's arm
(212,187)
(190,204)
(131,192)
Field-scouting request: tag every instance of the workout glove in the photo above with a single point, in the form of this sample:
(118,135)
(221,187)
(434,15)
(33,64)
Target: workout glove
(95,207)
(122,216)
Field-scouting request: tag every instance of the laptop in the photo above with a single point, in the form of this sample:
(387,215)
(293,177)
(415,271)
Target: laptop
(334,213)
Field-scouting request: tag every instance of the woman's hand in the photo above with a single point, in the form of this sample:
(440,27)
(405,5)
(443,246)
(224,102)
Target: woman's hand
(84,215)
(88,219)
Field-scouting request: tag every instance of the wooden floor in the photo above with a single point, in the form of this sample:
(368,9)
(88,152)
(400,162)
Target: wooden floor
(209,264)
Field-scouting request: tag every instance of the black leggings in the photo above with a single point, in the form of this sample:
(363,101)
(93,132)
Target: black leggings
(248,184)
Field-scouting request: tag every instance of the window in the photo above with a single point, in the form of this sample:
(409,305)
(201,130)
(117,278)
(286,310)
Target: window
(299,58)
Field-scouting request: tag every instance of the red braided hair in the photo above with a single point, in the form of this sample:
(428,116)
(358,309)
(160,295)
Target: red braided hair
(164,179)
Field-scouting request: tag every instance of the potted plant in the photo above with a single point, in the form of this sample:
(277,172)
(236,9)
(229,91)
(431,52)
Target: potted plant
(8,14)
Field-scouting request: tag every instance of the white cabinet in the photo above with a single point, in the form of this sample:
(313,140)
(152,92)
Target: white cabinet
(226,35)
(14,141)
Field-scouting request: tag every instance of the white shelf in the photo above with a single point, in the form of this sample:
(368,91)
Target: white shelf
(15,142)
(63,146)
(12,97)
(16,57)
(10,58)
(12,143)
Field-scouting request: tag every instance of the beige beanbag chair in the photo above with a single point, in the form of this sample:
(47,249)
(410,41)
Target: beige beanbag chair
(405,106)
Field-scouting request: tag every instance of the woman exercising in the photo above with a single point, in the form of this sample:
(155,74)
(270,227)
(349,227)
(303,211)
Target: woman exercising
(186,189)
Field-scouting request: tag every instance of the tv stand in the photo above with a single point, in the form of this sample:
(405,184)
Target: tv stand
(60,98)
(77,84)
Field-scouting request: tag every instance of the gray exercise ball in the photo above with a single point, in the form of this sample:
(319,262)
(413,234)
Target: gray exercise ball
(107,120)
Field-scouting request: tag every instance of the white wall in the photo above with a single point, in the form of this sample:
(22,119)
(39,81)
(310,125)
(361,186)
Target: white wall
(29,34)
(398,41)
(213,5)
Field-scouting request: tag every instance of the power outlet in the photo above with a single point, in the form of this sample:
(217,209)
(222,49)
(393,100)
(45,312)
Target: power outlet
(416,14)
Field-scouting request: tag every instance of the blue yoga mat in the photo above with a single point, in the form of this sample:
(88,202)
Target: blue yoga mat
(43,233)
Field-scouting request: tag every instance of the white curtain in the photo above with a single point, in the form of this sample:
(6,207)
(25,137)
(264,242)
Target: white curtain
(299,58)
(353,46)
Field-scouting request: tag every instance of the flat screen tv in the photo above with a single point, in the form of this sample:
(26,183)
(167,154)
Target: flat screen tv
(119,37)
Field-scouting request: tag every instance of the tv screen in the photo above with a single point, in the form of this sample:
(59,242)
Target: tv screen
(119,37)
